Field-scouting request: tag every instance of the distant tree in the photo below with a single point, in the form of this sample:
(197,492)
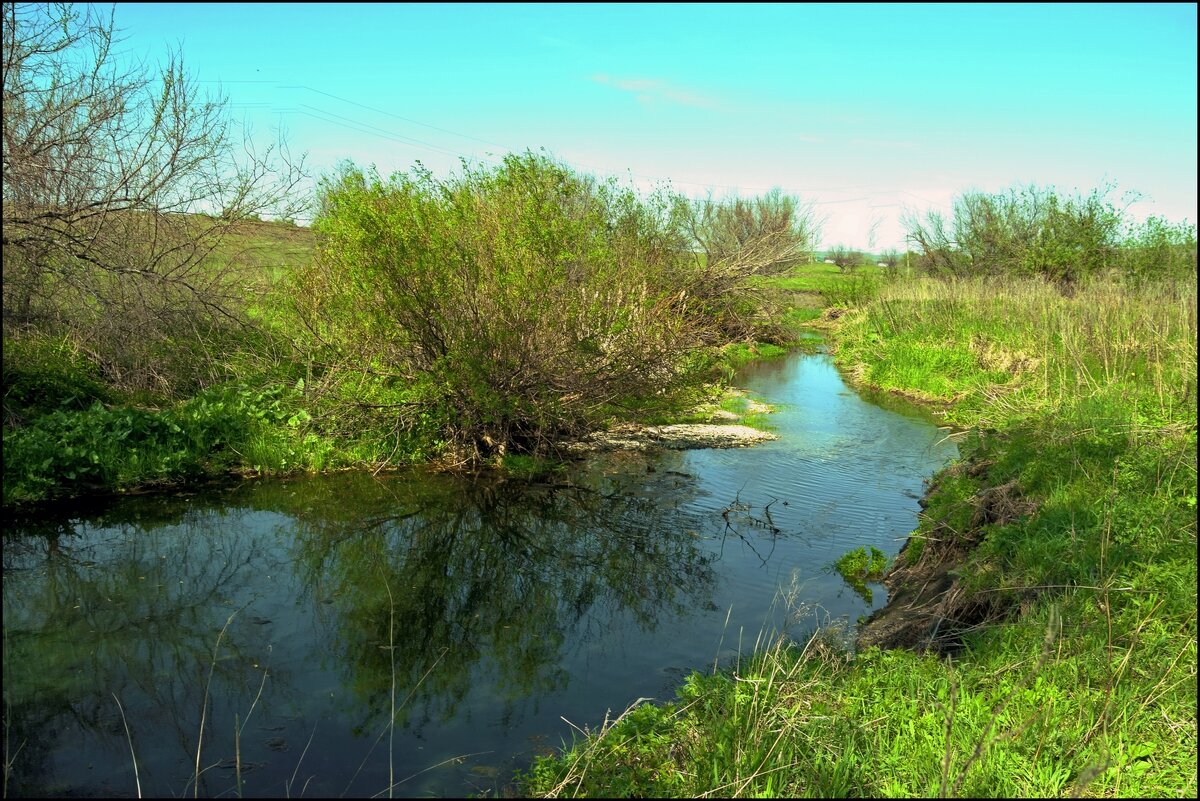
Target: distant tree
(119,182)
(891,260)
(846,259)
(738,239)
(1027,231)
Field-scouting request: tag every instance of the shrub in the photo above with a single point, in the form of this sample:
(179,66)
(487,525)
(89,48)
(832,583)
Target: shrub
(858,567)
(525,299)
(1028,231)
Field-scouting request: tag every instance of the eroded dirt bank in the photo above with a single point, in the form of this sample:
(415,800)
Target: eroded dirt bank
(928,607)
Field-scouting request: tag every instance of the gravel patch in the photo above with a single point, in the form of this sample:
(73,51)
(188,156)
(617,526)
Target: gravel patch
(683,436)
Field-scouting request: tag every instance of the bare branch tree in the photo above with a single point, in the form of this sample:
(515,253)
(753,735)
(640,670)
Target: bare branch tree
(738,239)
(846,259)
(119,182)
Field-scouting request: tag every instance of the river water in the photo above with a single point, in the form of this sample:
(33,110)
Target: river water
(279,621)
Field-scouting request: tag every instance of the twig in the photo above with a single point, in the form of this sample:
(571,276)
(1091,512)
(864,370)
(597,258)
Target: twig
(204,705)
(287,786)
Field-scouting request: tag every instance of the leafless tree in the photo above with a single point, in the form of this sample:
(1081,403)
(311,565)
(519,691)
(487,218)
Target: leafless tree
(764,235)
(846,259)
(119,182)
(737,239)
(939,252)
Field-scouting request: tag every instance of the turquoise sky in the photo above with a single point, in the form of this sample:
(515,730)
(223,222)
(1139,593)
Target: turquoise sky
(865,110)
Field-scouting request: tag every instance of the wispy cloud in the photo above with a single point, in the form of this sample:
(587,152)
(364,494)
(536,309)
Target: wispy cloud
(556,43)
(877,142)
(652,91)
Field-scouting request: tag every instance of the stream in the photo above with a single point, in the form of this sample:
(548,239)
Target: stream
(265,631)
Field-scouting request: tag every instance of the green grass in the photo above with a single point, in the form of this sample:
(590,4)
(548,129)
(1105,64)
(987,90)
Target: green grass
(858,567)
(725,401)
(1071,522)
(739,354)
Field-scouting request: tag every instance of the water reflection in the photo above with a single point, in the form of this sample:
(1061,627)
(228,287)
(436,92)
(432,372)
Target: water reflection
(505,570)
(117,609)
(433,582)
(296,615)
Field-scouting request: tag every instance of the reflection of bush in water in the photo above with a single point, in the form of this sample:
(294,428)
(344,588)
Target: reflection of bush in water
(502,569)
(89,615)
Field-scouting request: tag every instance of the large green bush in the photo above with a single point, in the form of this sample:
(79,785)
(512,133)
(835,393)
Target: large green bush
(523,302)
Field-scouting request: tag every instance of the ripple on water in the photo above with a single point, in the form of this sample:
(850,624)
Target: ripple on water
(500,608)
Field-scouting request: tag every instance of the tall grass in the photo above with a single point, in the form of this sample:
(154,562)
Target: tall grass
(1078,676)
(981,340)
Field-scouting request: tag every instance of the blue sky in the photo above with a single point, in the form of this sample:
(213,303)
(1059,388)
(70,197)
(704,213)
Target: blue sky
(864,111)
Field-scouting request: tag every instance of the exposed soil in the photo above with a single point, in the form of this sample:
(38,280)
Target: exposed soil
(928,608)
(683,436)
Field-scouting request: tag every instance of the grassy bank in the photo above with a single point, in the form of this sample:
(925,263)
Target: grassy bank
(285,375)
(1059,656)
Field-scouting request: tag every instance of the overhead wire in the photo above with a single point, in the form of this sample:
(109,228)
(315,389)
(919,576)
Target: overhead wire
(360,126)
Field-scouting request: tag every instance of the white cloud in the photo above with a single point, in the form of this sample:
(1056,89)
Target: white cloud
(650,91)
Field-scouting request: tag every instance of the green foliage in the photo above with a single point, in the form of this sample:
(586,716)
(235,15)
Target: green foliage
(524,298)
(46,374)
(1064,239)
(1157,250)
(230,427)
(97,449)
(858,567)
(738,354)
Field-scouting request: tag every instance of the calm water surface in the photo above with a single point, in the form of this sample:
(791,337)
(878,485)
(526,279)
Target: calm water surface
(485,611)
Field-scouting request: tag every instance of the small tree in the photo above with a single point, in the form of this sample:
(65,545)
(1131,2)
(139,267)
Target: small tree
(736,240)
(891,260)
(847,260)
(119,183)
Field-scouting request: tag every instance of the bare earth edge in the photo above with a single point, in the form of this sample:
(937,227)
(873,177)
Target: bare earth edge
(681,436)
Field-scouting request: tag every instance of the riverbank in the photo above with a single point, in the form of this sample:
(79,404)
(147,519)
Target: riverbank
(564,591)
(1045,603)
(234,431)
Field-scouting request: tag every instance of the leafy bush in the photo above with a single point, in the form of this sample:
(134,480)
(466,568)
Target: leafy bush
(524,300)
(1158,249)
(99,448)
(1032,232)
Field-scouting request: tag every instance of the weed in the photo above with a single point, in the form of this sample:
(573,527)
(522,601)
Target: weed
(858,567)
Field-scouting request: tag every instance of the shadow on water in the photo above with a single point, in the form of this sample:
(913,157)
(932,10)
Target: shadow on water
(297,617)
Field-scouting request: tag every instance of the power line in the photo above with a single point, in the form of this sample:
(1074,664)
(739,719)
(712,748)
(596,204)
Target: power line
(382,131)
(397,116)
(360,126)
